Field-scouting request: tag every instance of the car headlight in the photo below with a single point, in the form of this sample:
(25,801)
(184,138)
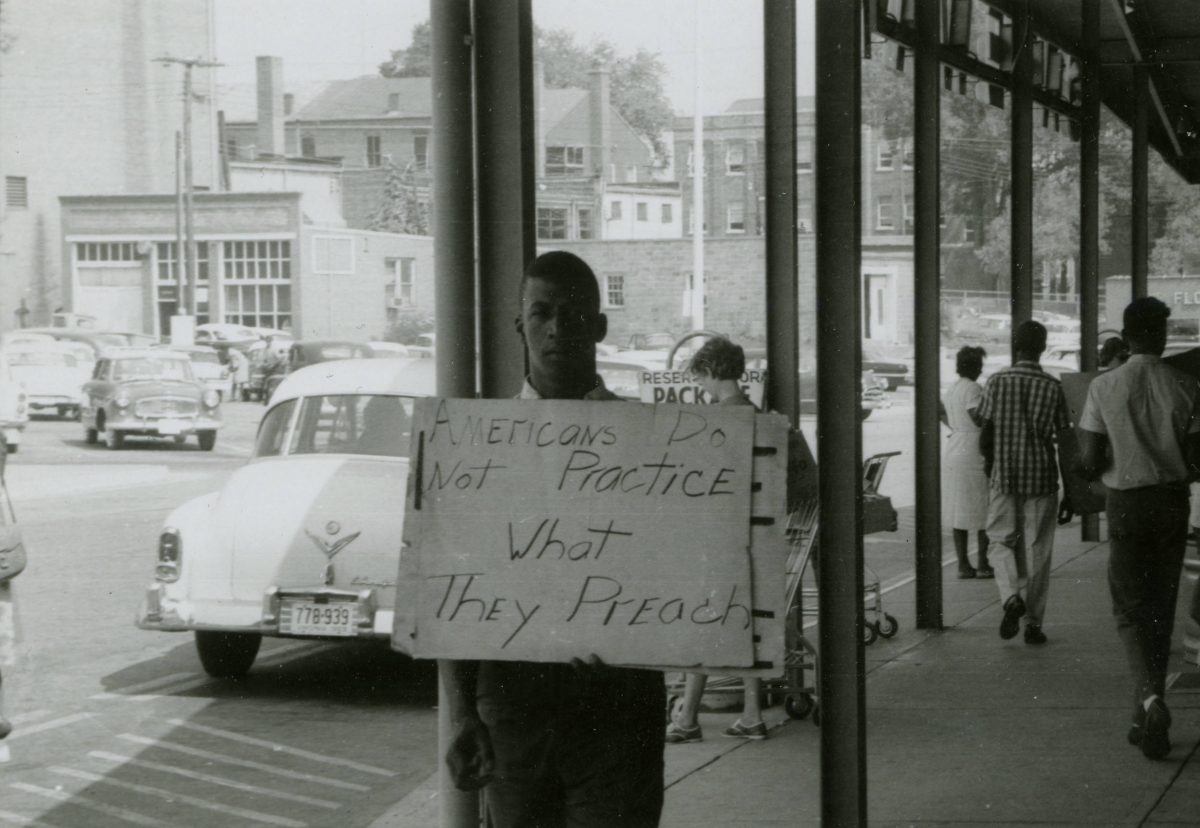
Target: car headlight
(212,399)
(122,400)
(170,555)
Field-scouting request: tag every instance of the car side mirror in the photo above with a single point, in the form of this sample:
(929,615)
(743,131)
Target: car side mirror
(3,455)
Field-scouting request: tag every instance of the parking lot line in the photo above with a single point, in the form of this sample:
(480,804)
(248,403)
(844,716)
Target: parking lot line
(172,796)
(214,780)
(50,725)
(275,746)
(17,819)
(91,804)
(242,763)
(144,685)
(31,716)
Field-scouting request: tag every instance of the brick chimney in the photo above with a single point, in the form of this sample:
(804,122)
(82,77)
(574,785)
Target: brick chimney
(270,105)
(601,122)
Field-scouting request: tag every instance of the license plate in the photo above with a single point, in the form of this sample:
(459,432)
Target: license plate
(311,618)
(172,426)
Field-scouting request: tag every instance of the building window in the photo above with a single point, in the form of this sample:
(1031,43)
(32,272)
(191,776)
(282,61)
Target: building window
(804,216)
(564,160)
(258,291)
(404,271)
(884,157)
(374,151)
(884,220)
(93,252)
(614,291)
(735,215)
(308,146)
(735,158)
(420,151)
(333,254)
(231,148)
(908,215)
(16,191)
(168,262)
(614,210)
(552,222)
(804,155)
(668,215)
(643,211)
(691,159)
(586,230)
(908,156)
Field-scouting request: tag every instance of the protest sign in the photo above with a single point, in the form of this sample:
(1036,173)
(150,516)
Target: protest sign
(548,530)
(680,386)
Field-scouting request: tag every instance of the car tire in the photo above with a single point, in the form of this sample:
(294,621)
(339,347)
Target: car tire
(245,394)
(208,439)
(180,439)
(863,413)
(13,447)
(226,654)
(91,436)
(115,440)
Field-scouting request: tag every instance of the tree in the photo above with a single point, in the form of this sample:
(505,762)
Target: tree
(414,62)
(636,81)
(401,210)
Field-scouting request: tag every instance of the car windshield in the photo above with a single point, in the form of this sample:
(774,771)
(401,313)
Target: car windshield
(149,368)
(371,424)
(331,352)
(42,359)
(204,356)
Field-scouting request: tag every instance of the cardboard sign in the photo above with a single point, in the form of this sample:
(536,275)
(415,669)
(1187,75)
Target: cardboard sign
(549,530)
(680,386)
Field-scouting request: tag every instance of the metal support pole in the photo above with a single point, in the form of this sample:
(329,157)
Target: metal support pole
(927,312)
(1021,252)
(454,278)
(839,347)
(1139,247)
(180,276)
(783,294)
(189,221)
(1088,273)
(504,118)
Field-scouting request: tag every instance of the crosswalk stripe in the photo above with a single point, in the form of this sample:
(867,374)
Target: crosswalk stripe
(17,819)
(171,796)
(91,804)
(214,780)
(50,725)
(275,746)
(144,685)
(31,716)
(242,763)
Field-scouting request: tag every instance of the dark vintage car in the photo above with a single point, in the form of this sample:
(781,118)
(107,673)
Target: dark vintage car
(311,352)
(893,371)
(148,393)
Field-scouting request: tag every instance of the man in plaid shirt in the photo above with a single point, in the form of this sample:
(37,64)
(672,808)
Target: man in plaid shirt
(1025,409)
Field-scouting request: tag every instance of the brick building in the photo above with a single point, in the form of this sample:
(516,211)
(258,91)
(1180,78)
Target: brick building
(108,128)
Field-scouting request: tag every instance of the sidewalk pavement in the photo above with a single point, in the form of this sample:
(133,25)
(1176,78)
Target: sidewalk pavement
(962,727)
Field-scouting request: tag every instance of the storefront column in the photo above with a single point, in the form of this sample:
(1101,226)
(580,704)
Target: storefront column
(1140,232)
(838,169)
(1088,275)
(1021,250)
(927,287)
(783,293)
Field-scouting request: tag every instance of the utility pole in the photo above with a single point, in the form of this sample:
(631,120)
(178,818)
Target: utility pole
(180,308)
(187,288)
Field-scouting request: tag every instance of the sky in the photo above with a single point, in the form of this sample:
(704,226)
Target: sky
(331,39)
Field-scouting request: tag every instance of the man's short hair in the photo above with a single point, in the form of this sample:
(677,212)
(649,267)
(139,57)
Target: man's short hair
(561,267)
(1030,337)
(720,359)
(1146,316)
(969,360)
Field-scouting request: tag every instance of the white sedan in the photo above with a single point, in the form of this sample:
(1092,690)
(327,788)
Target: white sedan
(304,540)
(53,374)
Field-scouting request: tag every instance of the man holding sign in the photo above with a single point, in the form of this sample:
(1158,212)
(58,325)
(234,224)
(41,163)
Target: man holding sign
(558,744)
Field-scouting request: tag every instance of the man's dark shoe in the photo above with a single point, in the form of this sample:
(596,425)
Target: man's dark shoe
(985,571)
(1034,634)
(1014,608)
(966,573)
(1156,743)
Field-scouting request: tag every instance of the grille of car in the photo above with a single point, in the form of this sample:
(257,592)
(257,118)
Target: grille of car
(166,407)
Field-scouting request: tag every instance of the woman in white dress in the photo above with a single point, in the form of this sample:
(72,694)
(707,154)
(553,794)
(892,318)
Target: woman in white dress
(964,484)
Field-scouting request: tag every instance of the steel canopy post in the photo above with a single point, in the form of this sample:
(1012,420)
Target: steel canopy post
(783,329)
(839,290)
(505,152)
(453,165)
(1089,209)
(1140,243)
(1021,251)
(927,313)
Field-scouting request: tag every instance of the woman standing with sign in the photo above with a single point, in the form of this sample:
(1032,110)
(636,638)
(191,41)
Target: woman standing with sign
(718,367)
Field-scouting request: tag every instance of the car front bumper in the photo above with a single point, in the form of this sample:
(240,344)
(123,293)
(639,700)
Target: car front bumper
(166,613)
(162,426)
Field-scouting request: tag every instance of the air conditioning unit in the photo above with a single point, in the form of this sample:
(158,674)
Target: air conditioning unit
(397,302)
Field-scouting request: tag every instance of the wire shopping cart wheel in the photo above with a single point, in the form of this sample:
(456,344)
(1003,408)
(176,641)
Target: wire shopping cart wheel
(799,706)
(869,634)
(888,626)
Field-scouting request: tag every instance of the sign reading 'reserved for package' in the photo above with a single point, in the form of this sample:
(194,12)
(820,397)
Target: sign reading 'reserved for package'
(550,530)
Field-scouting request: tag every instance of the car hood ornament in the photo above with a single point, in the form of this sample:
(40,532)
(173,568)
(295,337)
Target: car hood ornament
(330,548)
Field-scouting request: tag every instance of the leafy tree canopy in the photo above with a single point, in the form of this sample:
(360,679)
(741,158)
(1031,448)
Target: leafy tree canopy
(637,87)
